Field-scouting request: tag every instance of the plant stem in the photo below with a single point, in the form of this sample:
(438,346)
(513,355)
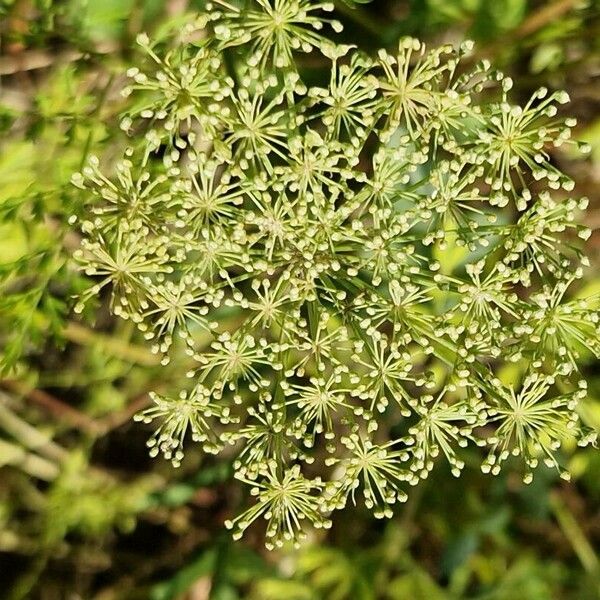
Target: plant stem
(33,465)
(29,436)
(86,337)
(552,12)
(360,17)
(59,409)
(573,532)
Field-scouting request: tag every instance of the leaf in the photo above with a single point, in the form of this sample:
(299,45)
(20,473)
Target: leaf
(243,565)
(16,171)
(497,16)
(336,574)
(275,589)
(13,242)
(202,565)
(451,256)
(452,10)
(457,551)
(546,57)
(106,19)
(352,3)
(417,585)
(178,493)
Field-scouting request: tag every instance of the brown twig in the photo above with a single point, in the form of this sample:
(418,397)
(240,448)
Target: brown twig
(117,419)
(534,22)
(28,435)
(542,17)
(30,60)
(63,412)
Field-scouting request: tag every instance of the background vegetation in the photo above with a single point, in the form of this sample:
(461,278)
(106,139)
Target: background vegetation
(84,512)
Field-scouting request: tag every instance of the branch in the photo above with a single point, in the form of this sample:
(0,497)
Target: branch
(541,18)
(136,354)
(62,411)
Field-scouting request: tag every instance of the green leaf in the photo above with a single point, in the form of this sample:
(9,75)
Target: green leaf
(498,16)
(352,3)
(275,589)
(202,565)
(416,585)
(546,57)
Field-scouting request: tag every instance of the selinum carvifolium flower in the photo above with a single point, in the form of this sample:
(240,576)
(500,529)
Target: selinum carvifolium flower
(311,233)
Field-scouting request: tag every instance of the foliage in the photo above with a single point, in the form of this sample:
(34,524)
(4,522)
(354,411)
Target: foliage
(84,512)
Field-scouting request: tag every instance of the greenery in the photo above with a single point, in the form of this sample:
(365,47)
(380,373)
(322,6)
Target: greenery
(354,273)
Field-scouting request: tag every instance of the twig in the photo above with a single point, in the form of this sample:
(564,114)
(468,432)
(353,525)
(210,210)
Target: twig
(542,17)
(32,464)
(53,405)
(117,419)
(530,25)
(29,436)
(32,60)
(136,354)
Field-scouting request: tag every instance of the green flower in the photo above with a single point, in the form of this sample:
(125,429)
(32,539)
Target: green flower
(274,29)
(286,502)
(350,267)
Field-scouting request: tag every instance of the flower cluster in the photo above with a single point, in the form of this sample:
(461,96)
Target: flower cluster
(305,231)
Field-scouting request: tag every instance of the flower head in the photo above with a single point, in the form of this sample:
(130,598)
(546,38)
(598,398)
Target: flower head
(351,267)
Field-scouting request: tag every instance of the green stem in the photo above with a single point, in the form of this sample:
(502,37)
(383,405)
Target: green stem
(29,436)
(360,17)
(114,346)
(573,532)
(35,466)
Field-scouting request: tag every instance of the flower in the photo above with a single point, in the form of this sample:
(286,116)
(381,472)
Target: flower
(531,425)
(274,29)
(344,264)
(192,412)
(378,468)
(285,501)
